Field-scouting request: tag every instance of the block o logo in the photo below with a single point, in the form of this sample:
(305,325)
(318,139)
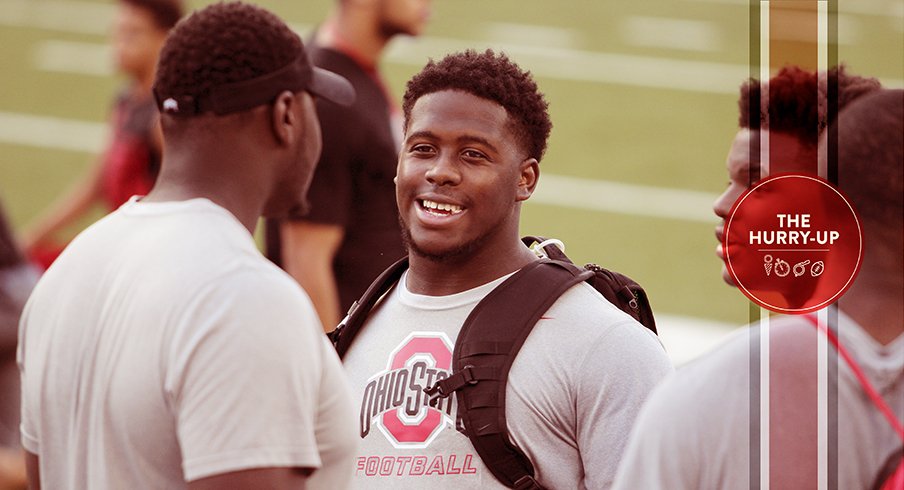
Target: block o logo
(793,243)
(427,356)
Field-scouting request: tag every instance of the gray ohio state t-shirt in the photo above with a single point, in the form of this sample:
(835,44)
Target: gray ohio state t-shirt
(571,399)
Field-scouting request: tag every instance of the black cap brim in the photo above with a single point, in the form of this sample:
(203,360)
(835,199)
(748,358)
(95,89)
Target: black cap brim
(332,87)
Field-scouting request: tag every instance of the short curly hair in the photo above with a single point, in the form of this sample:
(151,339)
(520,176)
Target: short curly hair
(870,155)
(223,43)
(493,77)
(797,101)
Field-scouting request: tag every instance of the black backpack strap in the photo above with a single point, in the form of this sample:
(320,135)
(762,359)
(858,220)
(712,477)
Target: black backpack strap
(349,327)
(619,289)
(484,352)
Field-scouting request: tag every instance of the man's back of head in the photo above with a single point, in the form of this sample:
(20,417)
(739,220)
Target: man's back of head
(871,174)
(234,86)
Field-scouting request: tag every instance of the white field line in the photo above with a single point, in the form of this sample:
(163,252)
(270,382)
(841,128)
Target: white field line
(52,132)
(555,59)
(94,59)
(684,337)
(620,198)
(86,58)
(669,33)
(586,66)
(83,58)
(58,15)
(558,190)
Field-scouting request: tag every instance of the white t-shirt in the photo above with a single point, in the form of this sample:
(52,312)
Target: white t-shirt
(694,432)
(572,394)
(163,347)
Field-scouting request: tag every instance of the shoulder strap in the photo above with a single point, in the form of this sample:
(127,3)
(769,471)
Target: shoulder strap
(619,289)
(349,327)
(486,347)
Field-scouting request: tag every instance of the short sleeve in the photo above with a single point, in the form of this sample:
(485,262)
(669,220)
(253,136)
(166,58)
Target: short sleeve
(616,377)
(662,452)
(245,378)
(28,424)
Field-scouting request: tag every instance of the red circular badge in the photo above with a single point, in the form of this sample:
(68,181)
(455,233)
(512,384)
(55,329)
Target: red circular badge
(793,243)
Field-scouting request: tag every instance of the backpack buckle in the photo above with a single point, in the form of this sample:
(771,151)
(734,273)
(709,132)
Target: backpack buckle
(445,387)
(527,482)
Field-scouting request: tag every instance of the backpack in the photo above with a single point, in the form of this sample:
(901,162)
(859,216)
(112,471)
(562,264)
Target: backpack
(484,353)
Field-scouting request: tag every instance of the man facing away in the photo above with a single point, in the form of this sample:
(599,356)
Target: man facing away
(162,350)
(696,429)
(352,231)
(476,127)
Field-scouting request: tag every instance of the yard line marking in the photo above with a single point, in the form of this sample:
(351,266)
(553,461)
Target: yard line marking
(558,190)
(52,132)
(66,16)
(670,33)
(621,198)
(533,35)
(546,61)
(74,57)
(587,66)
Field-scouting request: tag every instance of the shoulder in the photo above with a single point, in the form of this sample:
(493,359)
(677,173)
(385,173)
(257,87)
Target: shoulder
(584,315)
(590,339)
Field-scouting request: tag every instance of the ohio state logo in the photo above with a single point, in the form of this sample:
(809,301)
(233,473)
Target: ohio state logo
(394,399)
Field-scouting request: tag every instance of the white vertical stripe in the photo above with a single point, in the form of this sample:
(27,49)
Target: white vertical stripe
(764,314)
(822,401)
(822,374)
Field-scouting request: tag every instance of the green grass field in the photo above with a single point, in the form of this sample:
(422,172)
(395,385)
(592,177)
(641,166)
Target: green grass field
(640,93)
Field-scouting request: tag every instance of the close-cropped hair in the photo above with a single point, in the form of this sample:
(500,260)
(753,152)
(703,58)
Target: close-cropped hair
(493,77)
(796,101)
(231,42)
(166,13)
(871,158)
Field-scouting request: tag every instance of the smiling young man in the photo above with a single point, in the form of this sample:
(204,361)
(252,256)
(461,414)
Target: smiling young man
(162,350)
(476,127)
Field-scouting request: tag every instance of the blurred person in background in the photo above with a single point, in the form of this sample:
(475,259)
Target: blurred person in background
(131,160)
(17,278)
(162,349)
(351,233)
(695,430)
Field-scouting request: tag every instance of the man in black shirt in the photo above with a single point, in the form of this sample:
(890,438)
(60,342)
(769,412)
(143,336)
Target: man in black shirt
(351,233)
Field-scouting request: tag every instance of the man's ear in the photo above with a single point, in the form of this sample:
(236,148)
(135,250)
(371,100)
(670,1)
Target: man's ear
(527,182)
(283,120)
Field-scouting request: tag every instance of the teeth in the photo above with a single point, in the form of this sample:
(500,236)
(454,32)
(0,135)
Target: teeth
(451,208)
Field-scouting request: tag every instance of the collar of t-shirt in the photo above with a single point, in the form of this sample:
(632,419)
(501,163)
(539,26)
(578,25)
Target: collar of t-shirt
(883,364)
(451,301)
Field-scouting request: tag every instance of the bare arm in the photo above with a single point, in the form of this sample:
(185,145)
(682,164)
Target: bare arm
(65,210)
(273,478)
(308,250)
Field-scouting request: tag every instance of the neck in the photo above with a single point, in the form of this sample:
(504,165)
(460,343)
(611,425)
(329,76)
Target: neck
(205,171)
(874,302)
(444,277)
(351,28)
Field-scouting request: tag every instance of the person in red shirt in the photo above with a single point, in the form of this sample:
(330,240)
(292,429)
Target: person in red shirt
(129,164)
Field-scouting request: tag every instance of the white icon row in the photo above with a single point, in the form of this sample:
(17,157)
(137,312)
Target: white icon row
(782,268)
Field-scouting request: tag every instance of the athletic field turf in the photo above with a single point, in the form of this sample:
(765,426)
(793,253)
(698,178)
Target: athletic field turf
(642,96)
